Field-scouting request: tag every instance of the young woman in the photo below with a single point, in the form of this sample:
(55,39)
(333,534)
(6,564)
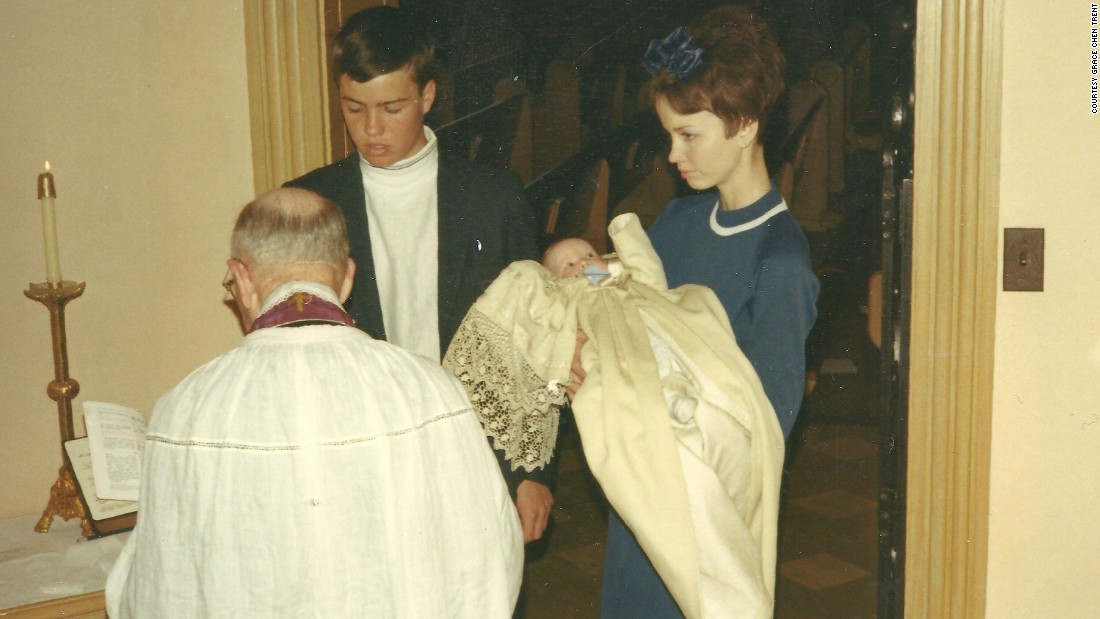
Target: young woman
(714,86)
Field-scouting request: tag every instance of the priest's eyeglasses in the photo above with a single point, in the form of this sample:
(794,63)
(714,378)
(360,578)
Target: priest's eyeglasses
(228,282)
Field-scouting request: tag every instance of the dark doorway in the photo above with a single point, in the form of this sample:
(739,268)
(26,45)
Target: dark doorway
(576,65)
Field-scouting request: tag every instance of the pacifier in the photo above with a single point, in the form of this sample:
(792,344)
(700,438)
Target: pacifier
(595,274)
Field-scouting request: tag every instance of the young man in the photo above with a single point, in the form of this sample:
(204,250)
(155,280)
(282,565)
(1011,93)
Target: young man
(428,231)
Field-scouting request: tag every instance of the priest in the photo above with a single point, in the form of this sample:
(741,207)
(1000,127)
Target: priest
(314,470)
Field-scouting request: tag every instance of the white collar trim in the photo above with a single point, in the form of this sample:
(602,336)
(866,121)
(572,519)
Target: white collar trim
(721,230)
(284,292)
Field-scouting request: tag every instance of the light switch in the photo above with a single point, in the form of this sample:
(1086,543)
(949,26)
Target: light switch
(1023,259)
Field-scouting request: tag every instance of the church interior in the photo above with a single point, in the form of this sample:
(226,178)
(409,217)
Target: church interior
(941,464)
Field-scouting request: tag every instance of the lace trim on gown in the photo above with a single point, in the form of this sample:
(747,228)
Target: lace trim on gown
(518,408)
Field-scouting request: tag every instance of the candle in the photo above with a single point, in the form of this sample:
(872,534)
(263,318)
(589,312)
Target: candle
(46,193)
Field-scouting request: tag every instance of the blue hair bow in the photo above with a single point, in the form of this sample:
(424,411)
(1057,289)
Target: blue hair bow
(676,53)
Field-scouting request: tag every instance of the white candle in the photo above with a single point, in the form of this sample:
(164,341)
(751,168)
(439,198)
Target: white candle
(46,193)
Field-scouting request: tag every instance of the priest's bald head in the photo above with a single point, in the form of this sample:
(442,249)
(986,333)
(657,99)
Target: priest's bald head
(285,235)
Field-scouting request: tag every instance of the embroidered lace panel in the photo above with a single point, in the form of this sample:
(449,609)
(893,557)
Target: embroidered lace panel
(518,408)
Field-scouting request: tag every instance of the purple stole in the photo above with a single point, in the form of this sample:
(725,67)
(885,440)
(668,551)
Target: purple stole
(302,307)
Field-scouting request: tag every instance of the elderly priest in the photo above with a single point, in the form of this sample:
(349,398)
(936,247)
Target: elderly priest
(314,471)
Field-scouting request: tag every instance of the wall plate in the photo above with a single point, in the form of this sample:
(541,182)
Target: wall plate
(1023,259)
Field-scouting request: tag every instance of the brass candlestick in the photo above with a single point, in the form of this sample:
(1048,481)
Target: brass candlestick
(65,499)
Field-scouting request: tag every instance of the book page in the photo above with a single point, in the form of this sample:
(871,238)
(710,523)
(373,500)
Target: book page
(80,456)
(117,439)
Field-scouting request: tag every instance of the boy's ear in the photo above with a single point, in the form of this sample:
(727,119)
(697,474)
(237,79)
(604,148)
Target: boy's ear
(427,97)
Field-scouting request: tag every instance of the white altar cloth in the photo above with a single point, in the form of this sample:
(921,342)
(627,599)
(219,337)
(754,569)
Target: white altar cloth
(35,567)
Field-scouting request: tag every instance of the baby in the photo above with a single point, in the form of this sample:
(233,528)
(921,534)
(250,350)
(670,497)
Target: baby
(575,256)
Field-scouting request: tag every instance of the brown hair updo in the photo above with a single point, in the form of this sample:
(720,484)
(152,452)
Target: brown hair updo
(740,76)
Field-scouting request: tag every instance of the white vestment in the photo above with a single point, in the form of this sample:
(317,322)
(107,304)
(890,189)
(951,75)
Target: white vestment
(316,472)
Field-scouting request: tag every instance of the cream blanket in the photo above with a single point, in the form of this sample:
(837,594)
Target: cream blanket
(674,423)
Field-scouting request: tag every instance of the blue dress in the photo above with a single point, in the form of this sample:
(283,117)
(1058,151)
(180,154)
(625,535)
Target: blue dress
(757,261)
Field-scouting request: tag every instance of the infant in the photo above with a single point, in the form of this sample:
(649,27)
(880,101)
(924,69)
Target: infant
(575,256)
(571,257)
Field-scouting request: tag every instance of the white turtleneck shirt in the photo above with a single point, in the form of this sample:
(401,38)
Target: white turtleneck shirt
(402,202)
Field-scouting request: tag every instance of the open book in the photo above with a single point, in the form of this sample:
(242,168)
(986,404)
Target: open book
(107,462)
(117,438)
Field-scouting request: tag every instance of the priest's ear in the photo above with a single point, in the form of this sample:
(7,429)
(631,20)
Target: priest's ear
(349,279)
(244,289)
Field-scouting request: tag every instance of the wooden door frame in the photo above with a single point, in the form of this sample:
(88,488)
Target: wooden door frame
(954,293)
(286,54)
(296,125)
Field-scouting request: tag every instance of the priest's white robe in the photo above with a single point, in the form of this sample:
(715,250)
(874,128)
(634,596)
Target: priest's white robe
(316,472)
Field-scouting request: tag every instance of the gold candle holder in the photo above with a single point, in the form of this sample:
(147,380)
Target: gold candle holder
(65,499)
